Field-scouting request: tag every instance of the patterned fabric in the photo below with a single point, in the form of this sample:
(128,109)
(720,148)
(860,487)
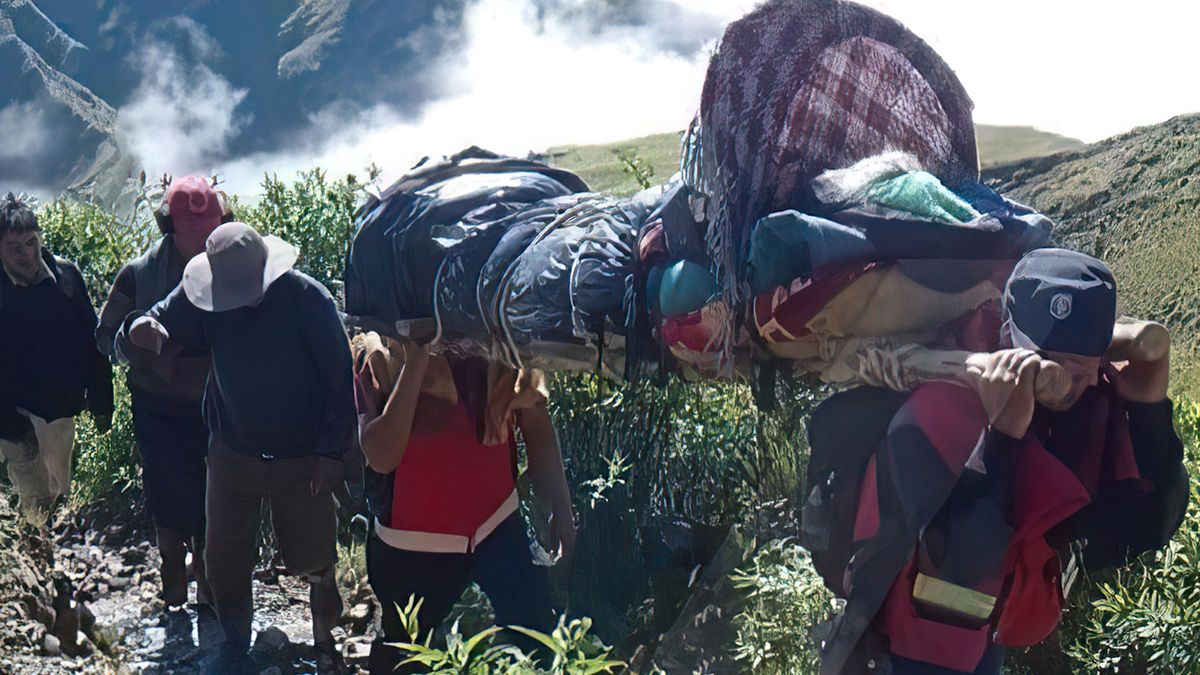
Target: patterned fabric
(863,98)
(789,84)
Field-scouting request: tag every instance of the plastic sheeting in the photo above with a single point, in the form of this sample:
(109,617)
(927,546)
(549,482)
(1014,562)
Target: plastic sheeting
(396,252)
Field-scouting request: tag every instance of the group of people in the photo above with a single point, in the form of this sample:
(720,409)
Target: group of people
(976,507)
(245,394)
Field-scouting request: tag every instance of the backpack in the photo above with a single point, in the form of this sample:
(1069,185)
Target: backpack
(844,433)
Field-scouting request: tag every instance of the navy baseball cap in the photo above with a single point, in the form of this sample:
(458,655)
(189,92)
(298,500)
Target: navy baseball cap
(1061,301)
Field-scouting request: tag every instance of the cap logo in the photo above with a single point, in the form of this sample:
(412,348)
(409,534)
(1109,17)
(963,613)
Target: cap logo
(1060,306)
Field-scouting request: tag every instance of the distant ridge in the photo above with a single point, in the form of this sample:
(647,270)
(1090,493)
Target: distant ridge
(602,168)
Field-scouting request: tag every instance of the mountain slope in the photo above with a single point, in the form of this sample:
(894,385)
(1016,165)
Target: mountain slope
(1133,200)
(1004,144)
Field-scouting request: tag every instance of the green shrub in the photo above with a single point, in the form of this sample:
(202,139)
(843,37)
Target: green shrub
(93,239)
(571,647)
(785,601)
(1146,618)
(313,213)
(100,244)
(105,464)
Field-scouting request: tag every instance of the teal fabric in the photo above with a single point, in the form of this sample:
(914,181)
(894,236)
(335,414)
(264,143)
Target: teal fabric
(921,194)
(686,287)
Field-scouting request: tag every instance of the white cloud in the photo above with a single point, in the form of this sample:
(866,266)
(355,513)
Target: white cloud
(24,130)
(1085,71)
(514,89)
(183,114)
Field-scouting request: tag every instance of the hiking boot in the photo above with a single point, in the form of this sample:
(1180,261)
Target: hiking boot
(329,659)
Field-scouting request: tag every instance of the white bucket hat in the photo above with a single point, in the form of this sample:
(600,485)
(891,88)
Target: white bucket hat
(237,268)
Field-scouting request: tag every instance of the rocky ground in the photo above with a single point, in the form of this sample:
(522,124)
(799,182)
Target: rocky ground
(81,597)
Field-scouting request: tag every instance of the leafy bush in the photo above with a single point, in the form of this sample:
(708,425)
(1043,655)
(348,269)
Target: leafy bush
(785,600)
(572,647)
(100,244)
(314,213)
(105,464)
(93,239)
(1146,618)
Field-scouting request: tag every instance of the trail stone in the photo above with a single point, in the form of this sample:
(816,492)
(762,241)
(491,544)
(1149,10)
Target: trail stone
(270,640)
(358,617)
(51,646)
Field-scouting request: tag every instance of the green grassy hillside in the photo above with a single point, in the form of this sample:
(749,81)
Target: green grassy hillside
(1133,200)
(1004,144)
(606,167)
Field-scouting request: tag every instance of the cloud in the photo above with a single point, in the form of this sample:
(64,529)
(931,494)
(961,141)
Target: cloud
(183,115)
(525,79)
(25,130)
(668,25)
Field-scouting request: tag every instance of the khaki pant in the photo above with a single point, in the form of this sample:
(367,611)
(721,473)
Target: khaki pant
(305,526)
(39,463)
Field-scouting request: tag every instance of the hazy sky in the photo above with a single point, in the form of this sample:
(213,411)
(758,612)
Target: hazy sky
(1083,69)
(1087,70)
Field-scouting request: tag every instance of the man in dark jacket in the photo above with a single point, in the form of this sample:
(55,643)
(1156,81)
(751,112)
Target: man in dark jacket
(978,509)
(168,389)
(50,369)
(279,406)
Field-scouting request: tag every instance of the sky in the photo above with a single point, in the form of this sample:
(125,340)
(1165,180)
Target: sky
(1082,69)
(524,75)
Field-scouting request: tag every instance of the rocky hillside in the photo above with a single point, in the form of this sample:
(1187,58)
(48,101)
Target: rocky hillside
(79,79)
(1133,200)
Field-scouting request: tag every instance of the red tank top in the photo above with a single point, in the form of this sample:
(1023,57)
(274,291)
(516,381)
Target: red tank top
(450,483)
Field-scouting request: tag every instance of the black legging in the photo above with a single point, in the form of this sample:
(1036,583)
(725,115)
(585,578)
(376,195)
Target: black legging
(502,566)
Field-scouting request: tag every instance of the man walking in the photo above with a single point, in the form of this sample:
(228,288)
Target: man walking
(50,369)
(168,389)
(279,406)
(980,508)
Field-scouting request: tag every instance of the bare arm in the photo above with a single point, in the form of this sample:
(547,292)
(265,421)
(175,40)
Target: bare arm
(385,438)
(547,473)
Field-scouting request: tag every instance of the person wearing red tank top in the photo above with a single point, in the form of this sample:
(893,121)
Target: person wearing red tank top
(438,436)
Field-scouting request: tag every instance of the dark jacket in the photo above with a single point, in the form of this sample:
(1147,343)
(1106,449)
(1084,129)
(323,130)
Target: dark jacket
(174,380)
(281,383)
(48,355)
(929,489)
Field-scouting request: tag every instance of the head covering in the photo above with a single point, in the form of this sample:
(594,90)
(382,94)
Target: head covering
(1061,301)
(195,208)
(237,268)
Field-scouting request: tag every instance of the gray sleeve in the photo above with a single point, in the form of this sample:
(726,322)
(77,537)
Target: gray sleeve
(181,319)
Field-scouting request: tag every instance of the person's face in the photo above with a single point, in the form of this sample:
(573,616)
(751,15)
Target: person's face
(1084,372)
(21,253)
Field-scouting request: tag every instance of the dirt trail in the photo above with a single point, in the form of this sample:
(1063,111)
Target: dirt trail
(114,572)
